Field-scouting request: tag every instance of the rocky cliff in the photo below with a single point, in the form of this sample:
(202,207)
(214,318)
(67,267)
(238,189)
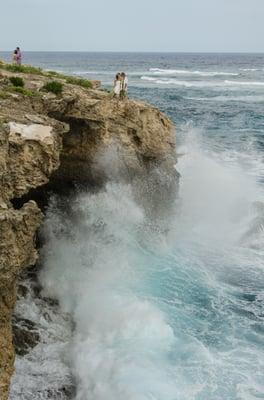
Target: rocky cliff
(79,136)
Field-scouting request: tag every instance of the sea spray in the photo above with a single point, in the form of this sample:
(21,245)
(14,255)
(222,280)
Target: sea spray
(92,268)
(161,313)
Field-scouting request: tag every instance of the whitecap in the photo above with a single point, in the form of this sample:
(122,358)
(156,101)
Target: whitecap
(245,83)
(159,71)
(173,81)
(249,69)
(251,99)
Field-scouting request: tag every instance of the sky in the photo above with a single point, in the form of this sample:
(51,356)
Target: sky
(133,25)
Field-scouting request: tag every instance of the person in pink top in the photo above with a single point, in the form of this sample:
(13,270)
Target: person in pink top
(19,56)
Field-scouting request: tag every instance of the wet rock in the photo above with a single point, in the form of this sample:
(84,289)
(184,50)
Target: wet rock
(25,335)
(67,393)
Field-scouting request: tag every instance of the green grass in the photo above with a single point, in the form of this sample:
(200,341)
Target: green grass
(28,69)
(23,91)
(17,81)
(85,83)
(53,87)
(25,69)
(54,74)
(3,95)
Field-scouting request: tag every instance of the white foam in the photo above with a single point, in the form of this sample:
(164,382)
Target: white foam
(249,69)
(177,82)
(246,99)
(42,372)
(158,71)
(244,83)
(124,346)
(121,340)
(200,84)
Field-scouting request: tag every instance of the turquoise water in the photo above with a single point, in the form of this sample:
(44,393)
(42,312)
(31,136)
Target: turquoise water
(170,311)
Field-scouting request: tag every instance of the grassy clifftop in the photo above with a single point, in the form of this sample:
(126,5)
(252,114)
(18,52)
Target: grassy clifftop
(52,75)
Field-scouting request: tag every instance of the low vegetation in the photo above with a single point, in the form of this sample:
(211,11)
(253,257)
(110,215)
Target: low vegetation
(17,81)
(23,91)
(53,87)
(26,69)
(80,82)
(3,95)
(71,79)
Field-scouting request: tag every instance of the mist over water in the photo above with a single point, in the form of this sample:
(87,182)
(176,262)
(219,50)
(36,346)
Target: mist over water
(168,307)
(162,315)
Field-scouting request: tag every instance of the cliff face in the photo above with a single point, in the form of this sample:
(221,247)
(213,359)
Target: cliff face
(29,153)
(82,136)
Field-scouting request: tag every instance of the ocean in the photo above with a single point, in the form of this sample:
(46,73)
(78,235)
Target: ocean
(146,313)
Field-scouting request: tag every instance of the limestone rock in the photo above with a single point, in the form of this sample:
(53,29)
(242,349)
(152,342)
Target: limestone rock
(82,136)
(29,153)
(17,251)
(103,130)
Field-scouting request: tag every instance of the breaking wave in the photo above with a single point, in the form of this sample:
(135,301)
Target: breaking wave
(228,83)
(158,71)
(161,314)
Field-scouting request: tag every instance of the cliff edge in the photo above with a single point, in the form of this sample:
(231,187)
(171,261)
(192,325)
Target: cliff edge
(78,136)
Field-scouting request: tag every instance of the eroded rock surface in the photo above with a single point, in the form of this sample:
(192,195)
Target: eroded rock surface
(82,136)
(28,155)
(104,132)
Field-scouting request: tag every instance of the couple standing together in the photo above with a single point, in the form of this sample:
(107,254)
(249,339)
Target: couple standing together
(17,56)
(120,85)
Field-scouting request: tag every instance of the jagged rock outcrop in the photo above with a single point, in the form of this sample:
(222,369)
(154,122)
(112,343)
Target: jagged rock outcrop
(81,136)
(17,251)
(29,153)
(104,133)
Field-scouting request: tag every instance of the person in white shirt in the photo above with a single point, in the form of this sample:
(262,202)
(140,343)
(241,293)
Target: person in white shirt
(124,89)
(117,85)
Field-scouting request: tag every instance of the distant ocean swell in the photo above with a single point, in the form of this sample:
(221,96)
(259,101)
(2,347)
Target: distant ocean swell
(201,83)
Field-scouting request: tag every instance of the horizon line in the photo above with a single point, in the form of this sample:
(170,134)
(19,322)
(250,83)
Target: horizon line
(137,51)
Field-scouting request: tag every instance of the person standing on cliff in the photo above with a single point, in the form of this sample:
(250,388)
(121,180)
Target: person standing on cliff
(14,57)
(19,56)
(124,85)
(117,85)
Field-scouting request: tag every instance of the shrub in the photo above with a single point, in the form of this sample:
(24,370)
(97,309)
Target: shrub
(55,74)
(3,95)
(79,81)
(17,81)
(51,73)
(21,90)
(53,87)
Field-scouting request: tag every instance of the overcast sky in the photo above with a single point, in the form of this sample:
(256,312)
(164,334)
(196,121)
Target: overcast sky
(133,25)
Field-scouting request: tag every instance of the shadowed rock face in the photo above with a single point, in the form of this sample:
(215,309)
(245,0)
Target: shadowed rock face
(82,137)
